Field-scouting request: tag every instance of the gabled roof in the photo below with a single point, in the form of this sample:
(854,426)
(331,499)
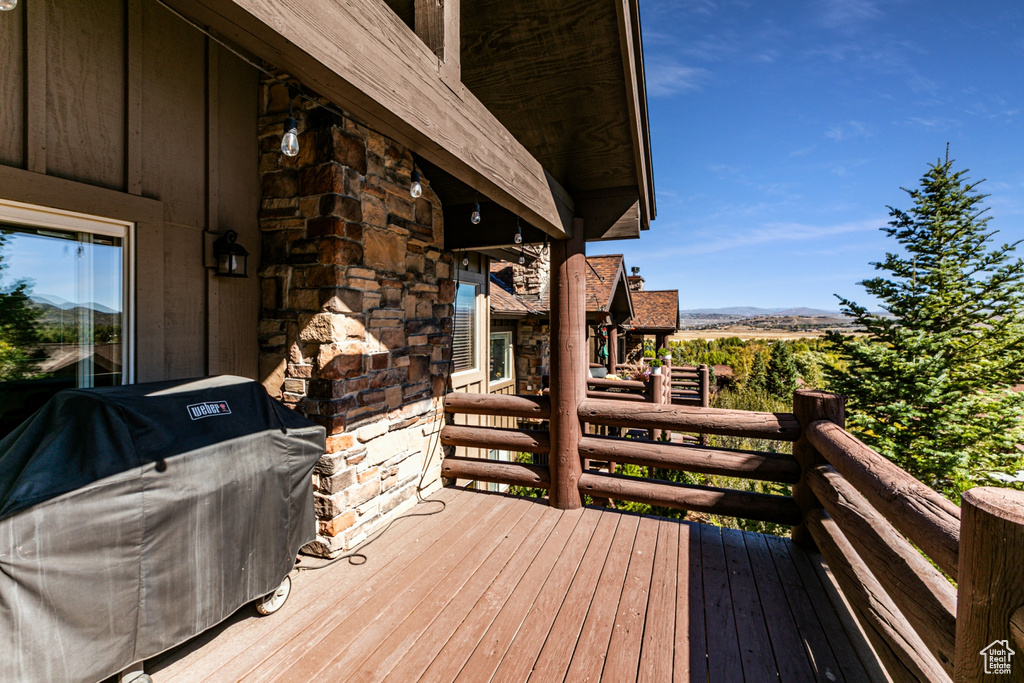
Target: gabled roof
(607,288)
(657,310)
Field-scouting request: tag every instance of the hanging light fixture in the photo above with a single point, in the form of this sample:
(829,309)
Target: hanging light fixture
(519,232)
(474,217)
(415,189)
(522,254)
(290,139)
(230,256)
(8,5)
(465,260)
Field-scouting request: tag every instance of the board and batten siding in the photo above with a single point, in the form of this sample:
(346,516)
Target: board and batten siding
(118,108)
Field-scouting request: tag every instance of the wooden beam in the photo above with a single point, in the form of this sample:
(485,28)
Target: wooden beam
(901,650)
(930,521)
(714,501)
(922,594)
(512,473)
(529,440)
(991,585)
(780,426)
(569,367)
(360,55)
(636,96)
(730,463)
(510,405)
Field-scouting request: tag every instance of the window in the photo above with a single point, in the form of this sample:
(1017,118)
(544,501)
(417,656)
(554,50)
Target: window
(63,316)
(501,357)
(464,338)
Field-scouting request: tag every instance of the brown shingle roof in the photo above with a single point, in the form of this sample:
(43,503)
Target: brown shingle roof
(658,310)
(602,277)
(506,304)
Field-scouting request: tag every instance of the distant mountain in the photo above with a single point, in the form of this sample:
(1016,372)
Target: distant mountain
(753,311)
(53,301)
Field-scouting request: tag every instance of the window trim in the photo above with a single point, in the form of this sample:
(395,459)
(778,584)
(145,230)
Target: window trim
(509,360)
(35,216)
(478,373)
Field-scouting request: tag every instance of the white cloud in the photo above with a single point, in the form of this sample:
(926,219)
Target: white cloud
(846,131)
(769,233)
(846,14)
(667,77)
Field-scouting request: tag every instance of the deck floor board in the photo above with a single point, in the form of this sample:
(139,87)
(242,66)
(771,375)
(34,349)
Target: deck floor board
(495,588)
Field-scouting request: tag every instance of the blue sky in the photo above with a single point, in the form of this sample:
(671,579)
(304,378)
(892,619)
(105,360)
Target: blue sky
(782,130)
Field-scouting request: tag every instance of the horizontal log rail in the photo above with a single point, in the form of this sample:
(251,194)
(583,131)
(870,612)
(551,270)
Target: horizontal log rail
(528,440)
(617,383)
(511,405)
(901,650)
(612,396)
(779,426)
(635,398)
(778,467)
(920,591)
(497,471)
(930,521)
(725,502)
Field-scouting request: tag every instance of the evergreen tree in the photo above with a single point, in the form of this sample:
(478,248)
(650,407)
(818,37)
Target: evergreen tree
(929,386)
(757,380)
(782,372)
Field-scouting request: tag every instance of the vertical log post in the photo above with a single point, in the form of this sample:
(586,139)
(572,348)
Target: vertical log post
(811,406)
(705,385)
(657,390)
(569,365)
(613,347)
(990,584)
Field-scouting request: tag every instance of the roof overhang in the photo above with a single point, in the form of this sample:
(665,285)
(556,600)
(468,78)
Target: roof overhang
(548,121)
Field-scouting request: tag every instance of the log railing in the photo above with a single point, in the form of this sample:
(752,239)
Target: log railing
(690,385)
(654,455)
(889,540)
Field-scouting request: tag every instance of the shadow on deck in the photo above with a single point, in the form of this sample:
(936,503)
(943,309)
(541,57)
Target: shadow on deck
(507,589)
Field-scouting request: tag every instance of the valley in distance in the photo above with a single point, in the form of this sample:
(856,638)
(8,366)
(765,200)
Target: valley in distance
(747,322)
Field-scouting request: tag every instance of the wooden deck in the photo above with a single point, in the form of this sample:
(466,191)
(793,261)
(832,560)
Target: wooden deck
(506,589)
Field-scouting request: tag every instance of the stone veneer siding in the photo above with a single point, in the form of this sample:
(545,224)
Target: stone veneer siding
(532,354)
(356,320)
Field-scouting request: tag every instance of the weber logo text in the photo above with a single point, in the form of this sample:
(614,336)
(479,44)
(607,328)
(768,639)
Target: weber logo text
(198,411)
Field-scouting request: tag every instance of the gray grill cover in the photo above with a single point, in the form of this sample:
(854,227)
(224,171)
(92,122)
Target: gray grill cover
(133,518)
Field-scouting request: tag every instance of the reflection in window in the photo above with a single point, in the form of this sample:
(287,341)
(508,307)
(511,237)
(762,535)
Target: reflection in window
(464,337)
(501,356)
(61,315)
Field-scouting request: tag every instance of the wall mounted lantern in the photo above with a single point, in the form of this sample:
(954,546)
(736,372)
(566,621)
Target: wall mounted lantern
(230,256)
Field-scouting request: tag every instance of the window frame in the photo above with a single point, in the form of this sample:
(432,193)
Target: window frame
(509,360)
(36,216)
(478,373)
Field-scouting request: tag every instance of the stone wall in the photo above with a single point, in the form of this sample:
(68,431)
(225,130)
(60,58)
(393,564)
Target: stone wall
(357,304)
(532,354)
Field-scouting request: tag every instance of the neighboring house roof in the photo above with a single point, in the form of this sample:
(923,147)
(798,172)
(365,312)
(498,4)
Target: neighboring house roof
(607,292)
(607,287)
(505,304)
(502,272)
(656,310)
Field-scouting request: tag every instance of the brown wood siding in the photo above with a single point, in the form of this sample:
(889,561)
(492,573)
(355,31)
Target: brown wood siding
(85,91)
(12,87)
(121,94)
